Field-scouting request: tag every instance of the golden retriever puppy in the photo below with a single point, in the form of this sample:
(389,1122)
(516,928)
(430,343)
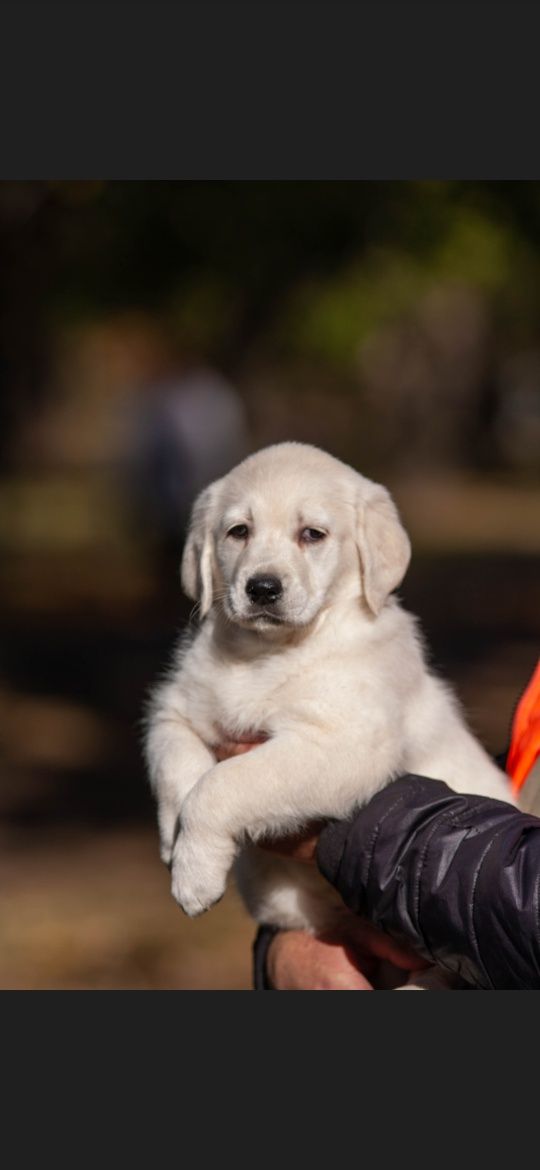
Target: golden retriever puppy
(292,559)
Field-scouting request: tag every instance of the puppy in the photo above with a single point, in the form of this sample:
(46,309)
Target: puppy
(292,559)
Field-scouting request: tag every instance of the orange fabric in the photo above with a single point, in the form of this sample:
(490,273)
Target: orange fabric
(525,738)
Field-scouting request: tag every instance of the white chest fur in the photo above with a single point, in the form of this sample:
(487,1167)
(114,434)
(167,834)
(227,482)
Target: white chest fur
(233,684)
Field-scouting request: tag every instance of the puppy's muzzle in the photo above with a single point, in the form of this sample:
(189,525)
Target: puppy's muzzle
(264,589)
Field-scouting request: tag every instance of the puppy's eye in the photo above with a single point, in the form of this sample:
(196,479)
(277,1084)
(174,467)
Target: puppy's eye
(312,535)
(238,531)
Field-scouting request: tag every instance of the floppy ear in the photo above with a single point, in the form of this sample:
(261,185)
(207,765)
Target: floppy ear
(197,568)
(383,545)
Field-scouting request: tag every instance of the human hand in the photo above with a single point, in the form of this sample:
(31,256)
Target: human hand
(356,958)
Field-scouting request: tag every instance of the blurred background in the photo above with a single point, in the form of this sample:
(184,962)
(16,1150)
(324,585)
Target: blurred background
(151,334)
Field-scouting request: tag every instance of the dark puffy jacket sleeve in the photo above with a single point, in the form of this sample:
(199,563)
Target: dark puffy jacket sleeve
(455,877)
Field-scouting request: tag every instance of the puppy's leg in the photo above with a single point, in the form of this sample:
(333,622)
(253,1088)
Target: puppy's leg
(273,789)
(176,758)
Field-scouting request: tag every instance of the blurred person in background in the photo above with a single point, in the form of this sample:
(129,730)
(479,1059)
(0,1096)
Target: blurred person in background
(186,429)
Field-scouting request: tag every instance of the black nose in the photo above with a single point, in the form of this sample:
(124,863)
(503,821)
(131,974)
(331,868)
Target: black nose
(264,588)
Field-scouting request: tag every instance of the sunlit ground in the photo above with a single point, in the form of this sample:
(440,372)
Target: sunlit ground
(93,910)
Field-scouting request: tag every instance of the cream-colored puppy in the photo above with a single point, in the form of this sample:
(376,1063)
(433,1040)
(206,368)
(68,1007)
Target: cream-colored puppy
(293,558)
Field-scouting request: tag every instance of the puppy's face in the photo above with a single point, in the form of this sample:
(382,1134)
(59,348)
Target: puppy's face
(286,534)
(282,548)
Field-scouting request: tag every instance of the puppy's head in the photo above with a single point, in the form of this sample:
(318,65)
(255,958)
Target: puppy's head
(289,532)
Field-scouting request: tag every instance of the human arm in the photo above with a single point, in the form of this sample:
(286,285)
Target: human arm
(455,877)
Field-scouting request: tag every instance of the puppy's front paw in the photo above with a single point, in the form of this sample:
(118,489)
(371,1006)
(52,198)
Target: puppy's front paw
(199,873)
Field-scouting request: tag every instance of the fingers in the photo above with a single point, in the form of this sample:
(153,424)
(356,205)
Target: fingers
(299,846)
(298,961)
(232,747)
(363,936)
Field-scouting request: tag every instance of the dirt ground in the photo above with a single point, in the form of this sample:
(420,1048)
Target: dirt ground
(93,911)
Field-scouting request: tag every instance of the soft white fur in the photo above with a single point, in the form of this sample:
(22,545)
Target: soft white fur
(334,675)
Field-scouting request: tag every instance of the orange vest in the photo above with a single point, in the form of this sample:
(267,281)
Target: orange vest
(525,737)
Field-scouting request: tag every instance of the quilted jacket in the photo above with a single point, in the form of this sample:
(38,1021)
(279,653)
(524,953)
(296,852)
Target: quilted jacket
(455,877)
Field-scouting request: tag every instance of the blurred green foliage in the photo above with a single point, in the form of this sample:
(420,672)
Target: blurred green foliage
(291,277)
(332,317)
(315,264)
